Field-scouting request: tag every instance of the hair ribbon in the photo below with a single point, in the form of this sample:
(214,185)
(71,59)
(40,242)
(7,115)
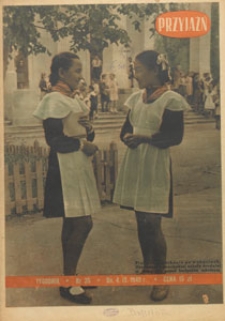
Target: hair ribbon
(161,60)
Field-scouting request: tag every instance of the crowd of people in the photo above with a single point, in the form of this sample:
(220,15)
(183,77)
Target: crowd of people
(103,93)
(201,91)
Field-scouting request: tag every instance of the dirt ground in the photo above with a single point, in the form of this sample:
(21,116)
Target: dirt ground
(195,233)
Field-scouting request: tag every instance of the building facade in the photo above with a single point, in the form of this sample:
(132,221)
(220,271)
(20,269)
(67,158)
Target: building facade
(21,86)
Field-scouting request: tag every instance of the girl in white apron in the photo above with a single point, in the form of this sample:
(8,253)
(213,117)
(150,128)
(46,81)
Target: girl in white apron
(154,123)
(70,189)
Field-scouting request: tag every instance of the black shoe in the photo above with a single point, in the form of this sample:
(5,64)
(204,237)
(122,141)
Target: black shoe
(83,298)
(86,287)
(159,292)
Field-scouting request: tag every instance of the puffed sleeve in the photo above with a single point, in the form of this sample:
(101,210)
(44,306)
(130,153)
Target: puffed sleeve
(51,110)
(175,102)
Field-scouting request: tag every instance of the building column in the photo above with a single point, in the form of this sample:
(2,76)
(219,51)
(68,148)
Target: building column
(115,60)
(200,46)
(10,85)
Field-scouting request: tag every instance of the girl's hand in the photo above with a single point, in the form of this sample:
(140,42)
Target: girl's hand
(84,121)
(133,141)
(88,148)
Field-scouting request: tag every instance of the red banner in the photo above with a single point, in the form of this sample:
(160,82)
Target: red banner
(112,280)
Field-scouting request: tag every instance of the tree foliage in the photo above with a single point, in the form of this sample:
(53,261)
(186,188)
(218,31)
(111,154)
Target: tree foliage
(88,27)
(19,32)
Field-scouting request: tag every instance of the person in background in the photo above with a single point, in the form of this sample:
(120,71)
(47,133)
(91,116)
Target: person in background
(154,123)
(176,78)
(95,85)
(96,65)
(189,88)
(131,71)
(93,97)
(198,93)
(113,93)
(195,89)
(70,189)
(209,105)
(216,100)
(182,87)
(82,92)
(104,93)
(43,85)
(201,97)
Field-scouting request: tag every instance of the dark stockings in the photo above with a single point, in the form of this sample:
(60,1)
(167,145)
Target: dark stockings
(152,242)
(75,231)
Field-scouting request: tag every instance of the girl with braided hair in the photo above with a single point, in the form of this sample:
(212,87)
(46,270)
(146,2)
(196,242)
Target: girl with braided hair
(153,124)
(70,189)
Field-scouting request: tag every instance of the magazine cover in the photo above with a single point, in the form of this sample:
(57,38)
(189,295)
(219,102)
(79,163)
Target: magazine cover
(111,194)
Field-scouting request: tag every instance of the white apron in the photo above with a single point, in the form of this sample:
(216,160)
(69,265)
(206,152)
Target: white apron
(80,194)
(144,177)
(209,104)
